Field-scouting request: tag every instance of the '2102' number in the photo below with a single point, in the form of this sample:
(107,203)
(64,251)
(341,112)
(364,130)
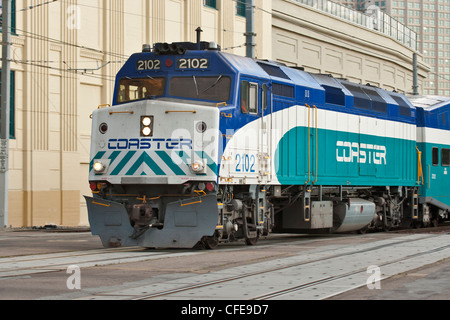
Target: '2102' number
(245,163)
(193,63)
(149,64)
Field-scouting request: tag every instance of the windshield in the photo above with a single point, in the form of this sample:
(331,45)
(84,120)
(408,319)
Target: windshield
(215,88)
(135,89)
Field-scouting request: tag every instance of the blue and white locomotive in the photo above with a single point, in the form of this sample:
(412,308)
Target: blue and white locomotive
(202,146)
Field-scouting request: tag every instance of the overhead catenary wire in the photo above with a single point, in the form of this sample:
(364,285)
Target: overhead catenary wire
(123,56)
(145,16)
(36,6)
(26,33)
(42,63)
(61,42)
(103,77)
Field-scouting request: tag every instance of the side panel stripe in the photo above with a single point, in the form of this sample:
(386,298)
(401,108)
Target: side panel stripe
(211,164)
(169,162)
(145,158)
(113,156)
(122,163)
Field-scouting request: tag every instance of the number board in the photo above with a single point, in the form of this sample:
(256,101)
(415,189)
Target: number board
(193,63)
(148,64)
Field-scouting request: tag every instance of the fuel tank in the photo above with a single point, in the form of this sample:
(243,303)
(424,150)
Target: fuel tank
(353,215)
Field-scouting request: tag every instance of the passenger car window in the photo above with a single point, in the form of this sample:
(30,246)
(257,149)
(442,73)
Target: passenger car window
(445,157)
(435,156)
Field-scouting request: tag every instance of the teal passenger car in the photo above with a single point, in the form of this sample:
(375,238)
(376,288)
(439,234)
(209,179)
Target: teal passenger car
(433,140)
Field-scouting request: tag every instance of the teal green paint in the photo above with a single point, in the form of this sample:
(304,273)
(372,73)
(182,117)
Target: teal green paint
(169,162)
(398,167)
(210,162)
(436,182)
(184,156)
(122,163)
(145,158)
(113,156)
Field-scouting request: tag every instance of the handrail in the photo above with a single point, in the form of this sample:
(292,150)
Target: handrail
(113,112)
(419,166)
(178,111)
(309,127)
(315,121)
(101,204)
(309,144)
(190,203)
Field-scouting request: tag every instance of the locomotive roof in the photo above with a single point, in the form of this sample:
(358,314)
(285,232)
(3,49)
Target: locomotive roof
(434,111)
(334,92)
(429,102)
(271,69)
(321,82)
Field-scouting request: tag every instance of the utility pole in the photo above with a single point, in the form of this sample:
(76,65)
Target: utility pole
(250,28)
(4,110)
(415,75)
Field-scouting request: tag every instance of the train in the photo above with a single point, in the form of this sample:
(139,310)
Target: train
(201,146)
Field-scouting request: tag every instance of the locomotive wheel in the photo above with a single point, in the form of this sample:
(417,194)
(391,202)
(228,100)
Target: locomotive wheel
(210,242)
(434,222)
(363,230)
(251,237)
(251,241)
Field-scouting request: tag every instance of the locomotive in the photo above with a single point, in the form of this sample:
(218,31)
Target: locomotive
(202,146)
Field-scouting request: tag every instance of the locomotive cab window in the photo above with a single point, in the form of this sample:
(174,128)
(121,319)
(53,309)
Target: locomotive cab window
(135,89)
(215,88)
(445,157)
(435,156)
(249,97)
(264,97)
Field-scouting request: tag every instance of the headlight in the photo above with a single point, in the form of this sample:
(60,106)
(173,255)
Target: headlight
(146,121)
(146,126)
(99,167)
(198,167)
(146,131)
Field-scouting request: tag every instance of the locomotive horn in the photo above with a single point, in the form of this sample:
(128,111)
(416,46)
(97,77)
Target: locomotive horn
(162,48)
(181,50)
(176,49)
(173,48)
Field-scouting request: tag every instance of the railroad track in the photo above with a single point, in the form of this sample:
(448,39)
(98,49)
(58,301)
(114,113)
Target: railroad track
(52,262)
(317,274)
(343,276)
(24,265)
(338,264)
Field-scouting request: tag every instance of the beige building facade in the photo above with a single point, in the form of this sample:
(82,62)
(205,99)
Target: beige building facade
(66,54)
(430,19)
(325,37)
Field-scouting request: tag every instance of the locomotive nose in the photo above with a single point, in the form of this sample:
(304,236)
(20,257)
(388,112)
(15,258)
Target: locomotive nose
(155,141)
